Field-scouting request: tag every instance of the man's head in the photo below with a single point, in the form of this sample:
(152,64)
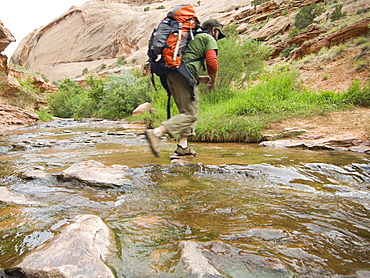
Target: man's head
(213,26)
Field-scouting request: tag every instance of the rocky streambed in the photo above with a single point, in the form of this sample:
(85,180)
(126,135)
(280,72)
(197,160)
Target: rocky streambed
(87,199)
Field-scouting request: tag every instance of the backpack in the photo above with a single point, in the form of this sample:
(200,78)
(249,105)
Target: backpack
(168,44)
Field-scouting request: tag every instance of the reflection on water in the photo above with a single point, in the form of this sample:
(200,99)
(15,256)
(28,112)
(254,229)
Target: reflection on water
(309,209)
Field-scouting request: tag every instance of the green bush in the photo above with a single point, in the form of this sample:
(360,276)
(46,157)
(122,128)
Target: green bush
(337,13)
(363,11)
(44,115)
(96,92)
(357,95)
(306,15)
(258,2)
(69,99)
(288,49)
(123,93)
(121,61)
(239,59)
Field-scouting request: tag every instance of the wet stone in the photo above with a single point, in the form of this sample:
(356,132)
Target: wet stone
(96,174)
(80,250)
(7,196)
(218,259)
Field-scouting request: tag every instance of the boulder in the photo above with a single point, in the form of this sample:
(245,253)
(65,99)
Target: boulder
(142,109)
(80,250)
(276,26)
(96,174)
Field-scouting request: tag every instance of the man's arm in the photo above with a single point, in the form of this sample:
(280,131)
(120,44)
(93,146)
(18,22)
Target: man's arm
(212,67)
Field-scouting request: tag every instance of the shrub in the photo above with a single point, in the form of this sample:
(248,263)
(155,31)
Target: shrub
(239,59)
(121,61)
(44,115)
(96,85)
(306,15)
(337,13)
(293,32)
(362,11)
(357,95)
(288,49)
(67,102)
(123,93)
(258,2)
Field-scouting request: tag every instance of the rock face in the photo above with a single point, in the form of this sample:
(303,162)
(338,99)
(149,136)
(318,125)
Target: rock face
(14,116)
(79,251)
(10,87)
(97,32)
(355,30)
(5,37)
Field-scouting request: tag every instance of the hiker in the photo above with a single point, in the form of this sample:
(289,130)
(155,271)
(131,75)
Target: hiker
(202,47)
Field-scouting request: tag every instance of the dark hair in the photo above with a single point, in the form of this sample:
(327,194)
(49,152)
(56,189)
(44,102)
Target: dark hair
(210,23)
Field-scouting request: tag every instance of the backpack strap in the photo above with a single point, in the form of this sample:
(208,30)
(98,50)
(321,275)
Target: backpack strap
(183,69)
(163,79)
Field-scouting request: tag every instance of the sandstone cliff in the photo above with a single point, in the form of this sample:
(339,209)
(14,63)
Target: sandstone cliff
(99,31)
(12,93)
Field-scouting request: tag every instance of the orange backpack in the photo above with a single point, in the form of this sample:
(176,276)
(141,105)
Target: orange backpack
(169,41)
(168,44)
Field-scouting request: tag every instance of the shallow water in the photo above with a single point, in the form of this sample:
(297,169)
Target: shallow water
(309,209)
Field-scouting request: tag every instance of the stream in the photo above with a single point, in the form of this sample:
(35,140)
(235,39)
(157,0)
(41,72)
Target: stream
(307,209)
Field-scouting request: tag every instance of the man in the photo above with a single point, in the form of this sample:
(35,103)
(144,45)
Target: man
(204,45)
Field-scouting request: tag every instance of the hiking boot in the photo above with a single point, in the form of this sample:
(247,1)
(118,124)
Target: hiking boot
(185,151)
(154,142)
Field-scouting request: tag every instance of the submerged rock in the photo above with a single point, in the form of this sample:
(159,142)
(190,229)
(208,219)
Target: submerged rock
(195,262)
(6,196)
(210,259)
(79,251)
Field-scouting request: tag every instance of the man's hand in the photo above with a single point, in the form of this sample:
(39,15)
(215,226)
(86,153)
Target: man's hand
(212,81)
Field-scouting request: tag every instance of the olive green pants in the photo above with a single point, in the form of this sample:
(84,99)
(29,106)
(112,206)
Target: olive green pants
(183,124)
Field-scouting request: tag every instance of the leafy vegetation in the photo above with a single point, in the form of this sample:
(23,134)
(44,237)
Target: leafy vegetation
(337,13)
(258,2)
(113,97)
(306,15)
(240,58)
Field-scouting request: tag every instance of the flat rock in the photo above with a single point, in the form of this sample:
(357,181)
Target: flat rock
(6,196)
(96,174)
(337,144)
